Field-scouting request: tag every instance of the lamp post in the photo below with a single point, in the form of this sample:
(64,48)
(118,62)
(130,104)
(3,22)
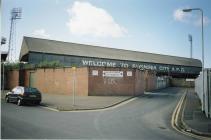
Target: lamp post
(202,38)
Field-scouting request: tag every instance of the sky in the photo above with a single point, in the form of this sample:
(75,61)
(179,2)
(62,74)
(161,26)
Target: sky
(154,26)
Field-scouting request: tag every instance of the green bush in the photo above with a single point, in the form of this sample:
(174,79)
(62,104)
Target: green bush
(11,66)
(49,64)
(44,64)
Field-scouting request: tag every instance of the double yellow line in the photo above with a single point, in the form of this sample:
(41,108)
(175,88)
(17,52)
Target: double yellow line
(176,118)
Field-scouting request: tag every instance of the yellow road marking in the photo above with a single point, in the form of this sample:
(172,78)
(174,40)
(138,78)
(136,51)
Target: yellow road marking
(174,120)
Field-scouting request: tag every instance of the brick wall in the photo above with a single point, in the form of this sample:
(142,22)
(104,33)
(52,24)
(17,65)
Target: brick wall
(60,81)
(108,86)
(150,80)
(139,82)
(26,78)
(12,79)
(53,81)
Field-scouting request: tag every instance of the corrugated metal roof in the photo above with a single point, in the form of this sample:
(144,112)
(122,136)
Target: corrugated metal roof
(58,47)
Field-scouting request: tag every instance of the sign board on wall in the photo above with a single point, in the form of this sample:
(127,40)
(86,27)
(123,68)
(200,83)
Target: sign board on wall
(112,73)
(129,73)
(95,72)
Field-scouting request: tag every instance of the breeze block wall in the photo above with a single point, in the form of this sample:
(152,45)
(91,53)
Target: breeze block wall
(129,84)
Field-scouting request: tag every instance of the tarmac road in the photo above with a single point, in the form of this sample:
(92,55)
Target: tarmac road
(146,118)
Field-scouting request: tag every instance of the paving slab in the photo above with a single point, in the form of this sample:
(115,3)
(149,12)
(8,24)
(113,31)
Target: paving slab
(193,116)
(65,102)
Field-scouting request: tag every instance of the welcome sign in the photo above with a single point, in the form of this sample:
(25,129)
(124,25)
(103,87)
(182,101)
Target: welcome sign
(140,65)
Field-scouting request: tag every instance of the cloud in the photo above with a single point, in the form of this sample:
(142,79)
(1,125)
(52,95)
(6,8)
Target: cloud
(40,33)
(86,19)
(206,21)
(188,17)
(181,16)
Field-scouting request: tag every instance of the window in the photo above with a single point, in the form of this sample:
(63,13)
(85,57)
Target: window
(31,90)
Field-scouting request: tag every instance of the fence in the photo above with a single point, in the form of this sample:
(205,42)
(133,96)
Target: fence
(206,97)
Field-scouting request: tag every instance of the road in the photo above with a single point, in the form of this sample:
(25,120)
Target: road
(146,118)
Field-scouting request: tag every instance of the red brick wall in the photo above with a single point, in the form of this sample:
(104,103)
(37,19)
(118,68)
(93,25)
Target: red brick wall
(59,81)
(139,82)
(26,78)
(82,81)
(12,79)
(150,80)
(107,86)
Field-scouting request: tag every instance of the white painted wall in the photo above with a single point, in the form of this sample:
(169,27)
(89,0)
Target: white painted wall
(206,97)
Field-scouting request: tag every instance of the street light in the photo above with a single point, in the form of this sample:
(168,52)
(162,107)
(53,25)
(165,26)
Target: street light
(187,10)
(202,38)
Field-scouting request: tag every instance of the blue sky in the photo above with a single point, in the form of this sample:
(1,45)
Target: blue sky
(155,26)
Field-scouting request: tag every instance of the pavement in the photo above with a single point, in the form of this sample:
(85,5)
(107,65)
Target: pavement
(194,120)
(65,102)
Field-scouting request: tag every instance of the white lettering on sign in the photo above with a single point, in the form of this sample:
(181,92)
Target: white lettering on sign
(164,68)
(129,73)
(112,73)
(144,66)
(98,63)
(124,65)
(95,72)
(140,66)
